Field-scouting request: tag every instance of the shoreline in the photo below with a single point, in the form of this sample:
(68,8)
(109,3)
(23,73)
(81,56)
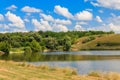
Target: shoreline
(22,71)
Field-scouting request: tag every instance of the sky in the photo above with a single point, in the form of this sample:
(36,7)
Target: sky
(59,15)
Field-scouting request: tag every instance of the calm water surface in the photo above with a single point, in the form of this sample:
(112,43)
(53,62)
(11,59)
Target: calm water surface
(88,52)
(85,66)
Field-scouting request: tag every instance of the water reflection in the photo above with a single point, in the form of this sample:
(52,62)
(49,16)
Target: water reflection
(83,67)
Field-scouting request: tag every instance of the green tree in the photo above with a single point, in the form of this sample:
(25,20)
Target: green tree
(51,43)
(66,43)
(35,46)
(5,47)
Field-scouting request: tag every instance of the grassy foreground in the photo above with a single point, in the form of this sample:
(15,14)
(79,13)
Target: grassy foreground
(10,70)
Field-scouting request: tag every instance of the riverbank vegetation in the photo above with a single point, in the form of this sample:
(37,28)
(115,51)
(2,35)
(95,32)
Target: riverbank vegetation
(28,46)
(44,41)
(21,71)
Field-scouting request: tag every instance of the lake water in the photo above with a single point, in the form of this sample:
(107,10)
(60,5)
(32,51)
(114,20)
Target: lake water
(88,52)
(85,66)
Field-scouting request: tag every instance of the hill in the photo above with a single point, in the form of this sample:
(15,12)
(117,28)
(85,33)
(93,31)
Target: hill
(98,42)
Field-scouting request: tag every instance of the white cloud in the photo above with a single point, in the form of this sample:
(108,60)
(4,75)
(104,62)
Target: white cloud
(81,23)
(63,22)
(112,4)
(26,20)
(30,9)
(1,17)
(46,26)
(12,7)
(63,11)
(100,11)
(16,21)
(59,28)
(94,4)
(58,21)
(41,25)
(47,17)
(4,26)
(114,19)
(78,28)
(85,15)
(114,27)
(98,19)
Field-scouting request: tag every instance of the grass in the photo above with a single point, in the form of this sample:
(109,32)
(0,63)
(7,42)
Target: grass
(17,50)
(10,70)
(101,42)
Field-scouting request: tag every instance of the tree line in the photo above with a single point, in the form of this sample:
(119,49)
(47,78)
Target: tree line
(40,41)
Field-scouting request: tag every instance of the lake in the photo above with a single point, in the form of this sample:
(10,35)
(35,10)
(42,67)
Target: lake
(105,64)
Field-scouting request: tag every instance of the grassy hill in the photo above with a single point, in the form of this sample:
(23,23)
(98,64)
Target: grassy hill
(20,71)
(98,42)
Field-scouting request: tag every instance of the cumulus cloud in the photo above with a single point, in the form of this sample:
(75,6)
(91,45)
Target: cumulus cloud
(12,7)
(59,28)
(112,4)
(98,19)
(58,21)
(63,22)
(47,17)
(78,28)
(46,26)
(1,17)
(84,15)
(81,23)
(114,27)
(15,21)
(114,19)
(41,25)
(63,11)
(30,9)
(112,24)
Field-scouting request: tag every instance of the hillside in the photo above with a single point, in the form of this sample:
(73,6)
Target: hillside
(98,42)
(20,71)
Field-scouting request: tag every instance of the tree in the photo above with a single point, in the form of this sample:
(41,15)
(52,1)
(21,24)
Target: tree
(35,46)
(27,50)
(51,43)
(66,43)
(5,47)
(67,46)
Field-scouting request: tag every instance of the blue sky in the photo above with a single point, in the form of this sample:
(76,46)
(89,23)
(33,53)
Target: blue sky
(59,15)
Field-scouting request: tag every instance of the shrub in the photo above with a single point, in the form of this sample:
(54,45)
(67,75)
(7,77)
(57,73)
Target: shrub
(5,47)
(35,46)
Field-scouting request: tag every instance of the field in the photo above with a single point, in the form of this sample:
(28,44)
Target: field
(20,71)
(98,42)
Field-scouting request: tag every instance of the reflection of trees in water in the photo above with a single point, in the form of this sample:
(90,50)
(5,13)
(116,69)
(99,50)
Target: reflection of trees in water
(53,57)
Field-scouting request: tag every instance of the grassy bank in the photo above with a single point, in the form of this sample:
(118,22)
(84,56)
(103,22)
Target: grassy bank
(10,70)
(98,42)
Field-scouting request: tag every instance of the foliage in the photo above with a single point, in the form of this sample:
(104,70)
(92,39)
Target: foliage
(5,47)
(40,41)
(35,46)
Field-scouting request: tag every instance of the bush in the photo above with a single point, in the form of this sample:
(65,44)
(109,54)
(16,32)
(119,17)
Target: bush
(35,46)
(5,47)
(27,50)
